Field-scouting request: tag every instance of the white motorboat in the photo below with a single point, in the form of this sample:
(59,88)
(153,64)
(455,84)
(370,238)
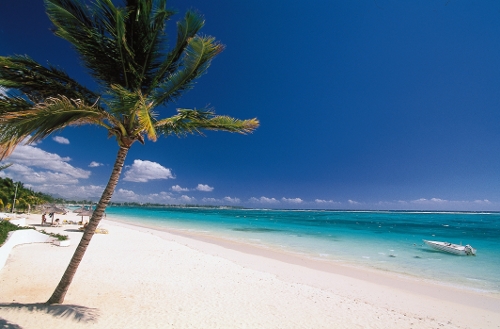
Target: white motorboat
(451,248)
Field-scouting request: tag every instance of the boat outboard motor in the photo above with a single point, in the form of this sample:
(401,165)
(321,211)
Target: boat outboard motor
(468,250)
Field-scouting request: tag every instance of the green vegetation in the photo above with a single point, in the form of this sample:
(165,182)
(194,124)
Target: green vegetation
(6,227)
(59,237)
(124,49)
(25,197)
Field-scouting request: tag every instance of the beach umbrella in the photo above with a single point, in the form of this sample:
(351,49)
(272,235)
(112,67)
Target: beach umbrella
(54,209)
(79,210)
(82,208)
(86,213)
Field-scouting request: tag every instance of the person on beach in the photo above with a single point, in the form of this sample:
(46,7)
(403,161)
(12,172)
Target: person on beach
(44,219)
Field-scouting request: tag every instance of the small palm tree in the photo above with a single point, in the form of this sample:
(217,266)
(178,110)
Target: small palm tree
(3,167)
(123,49)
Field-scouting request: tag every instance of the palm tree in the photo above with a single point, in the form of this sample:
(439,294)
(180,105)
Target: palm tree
(2,167)
(123,50)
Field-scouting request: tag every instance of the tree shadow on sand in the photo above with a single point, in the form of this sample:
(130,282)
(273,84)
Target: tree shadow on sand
(73,230)
(4,324)
(72,312)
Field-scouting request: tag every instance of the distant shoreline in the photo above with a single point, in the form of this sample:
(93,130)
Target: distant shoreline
(166,206)
(190,206)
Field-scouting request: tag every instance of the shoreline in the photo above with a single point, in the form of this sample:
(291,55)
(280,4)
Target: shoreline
(138,276)
(337,266)
(230,250)
(372,243)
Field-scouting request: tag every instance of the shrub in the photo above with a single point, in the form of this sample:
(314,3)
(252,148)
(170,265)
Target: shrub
(6,227)
(59,237)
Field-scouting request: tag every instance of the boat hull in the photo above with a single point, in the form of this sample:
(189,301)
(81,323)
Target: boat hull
(451,248)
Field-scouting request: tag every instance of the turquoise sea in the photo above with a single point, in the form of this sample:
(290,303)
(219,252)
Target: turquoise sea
(389,241)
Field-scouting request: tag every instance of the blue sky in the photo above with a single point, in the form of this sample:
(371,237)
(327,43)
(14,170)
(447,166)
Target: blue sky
(363,105)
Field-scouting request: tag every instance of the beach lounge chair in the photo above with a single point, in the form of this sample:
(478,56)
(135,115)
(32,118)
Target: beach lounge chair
(98,230)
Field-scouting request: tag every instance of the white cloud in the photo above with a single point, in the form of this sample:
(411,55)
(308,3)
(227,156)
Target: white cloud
(224,200)
(71,191)
(485,201)
(159,197)
(42,169)
(94,164)
(120,195)
(162,197)
(232,200)
(60,140)
(126,194)
(177,188)
(295,201)
(264,200)
(435,204)
(144,171)
(30,176)
(321,201)
(204,188)
(35,157)
(431,201)
(49,173)
(187,199)
(352,202)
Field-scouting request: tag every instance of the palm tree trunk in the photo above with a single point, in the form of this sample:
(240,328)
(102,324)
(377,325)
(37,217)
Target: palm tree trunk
(61,289)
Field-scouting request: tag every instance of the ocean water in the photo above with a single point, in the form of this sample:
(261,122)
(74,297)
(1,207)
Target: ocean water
(388,241)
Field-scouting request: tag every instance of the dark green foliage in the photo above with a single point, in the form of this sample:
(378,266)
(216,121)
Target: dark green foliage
(59,237)
(6,227)
(124,49)
(24,196)
(38,82)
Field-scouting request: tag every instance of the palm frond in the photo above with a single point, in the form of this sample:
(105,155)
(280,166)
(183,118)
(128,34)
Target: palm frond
(3,167)
(93,34)
(145,118)
(42,119)
(134,109)
(186,29)
(229,124)
(146,35)
(119,45)
(127,56)
(13,104)
(194,121)
(122,48)
(197,58)
(38,82)
(121,101)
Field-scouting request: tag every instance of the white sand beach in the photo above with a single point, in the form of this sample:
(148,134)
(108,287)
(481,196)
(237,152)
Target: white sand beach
(137,277)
